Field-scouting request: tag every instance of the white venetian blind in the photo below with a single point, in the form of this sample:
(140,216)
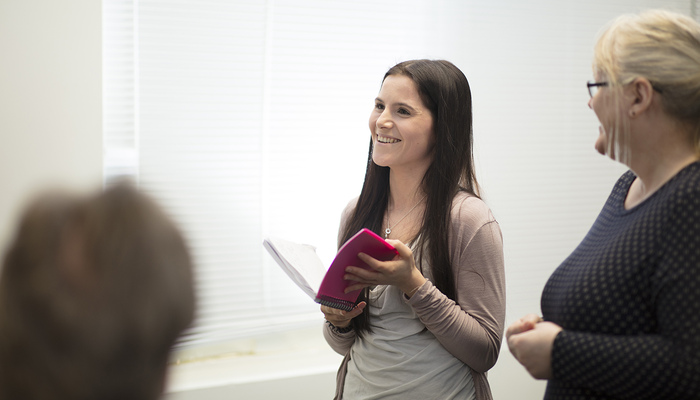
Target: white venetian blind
(248,118)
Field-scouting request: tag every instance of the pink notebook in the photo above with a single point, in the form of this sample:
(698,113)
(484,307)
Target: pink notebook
(332,290)
(327,286)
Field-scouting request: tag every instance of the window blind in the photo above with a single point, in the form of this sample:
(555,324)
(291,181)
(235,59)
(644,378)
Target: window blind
(249,118)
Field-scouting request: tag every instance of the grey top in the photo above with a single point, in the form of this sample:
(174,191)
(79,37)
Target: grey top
(401,357)
(469,330)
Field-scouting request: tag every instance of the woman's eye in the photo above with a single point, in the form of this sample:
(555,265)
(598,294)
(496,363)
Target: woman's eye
(378,106)
(403,111)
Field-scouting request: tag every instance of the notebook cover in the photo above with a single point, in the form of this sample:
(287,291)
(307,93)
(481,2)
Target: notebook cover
(332,289)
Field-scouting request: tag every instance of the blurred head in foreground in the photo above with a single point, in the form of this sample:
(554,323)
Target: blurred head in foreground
(94,292)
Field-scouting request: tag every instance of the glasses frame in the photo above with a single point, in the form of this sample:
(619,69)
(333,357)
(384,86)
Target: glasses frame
(591,85)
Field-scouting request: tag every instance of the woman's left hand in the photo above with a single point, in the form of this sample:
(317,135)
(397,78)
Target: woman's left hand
(401,271)
(530,340)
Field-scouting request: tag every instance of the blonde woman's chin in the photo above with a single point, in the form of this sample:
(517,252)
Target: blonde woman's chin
(601,144)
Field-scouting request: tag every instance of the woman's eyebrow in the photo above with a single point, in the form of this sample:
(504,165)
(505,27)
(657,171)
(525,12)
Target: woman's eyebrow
(405,105)
(399,104)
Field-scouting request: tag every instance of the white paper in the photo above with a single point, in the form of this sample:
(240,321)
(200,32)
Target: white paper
(299,261)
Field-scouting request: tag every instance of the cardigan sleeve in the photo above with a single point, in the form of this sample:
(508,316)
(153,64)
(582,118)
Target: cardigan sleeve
(471,328)
(339,342)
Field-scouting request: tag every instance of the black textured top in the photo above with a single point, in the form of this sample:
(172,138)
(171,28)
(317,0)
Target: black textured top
(628,299)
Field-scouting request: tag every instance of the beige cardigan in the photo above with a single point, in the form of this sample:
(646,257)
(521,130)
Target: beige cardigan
(472,328)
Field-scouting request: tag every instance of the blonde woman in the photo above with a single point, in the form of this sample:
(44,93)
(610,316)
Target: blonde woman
(621,315)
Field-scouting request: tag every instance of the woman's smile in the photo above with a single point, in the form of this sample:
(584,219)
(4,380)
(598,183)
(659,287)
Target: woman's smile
(386,139)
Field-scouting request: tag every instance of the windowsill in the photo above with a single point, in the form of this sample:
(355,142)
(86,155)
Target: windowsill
(297,353)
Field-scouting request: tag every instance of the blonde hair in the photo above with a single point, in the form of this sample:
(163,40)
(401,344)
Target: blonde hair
(663,47)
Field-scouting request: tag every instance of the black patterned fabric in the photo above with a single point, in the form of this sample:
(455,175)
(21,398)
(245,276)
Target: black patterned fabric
(628,299)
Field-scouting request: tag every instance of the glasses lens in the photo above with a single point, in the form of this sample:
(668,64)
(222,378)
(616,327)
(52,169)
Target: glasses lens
(592,90)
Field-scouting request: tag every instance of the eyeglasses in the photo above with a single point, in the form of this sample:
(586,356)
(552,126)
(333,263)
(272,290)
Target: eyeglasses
(593,87)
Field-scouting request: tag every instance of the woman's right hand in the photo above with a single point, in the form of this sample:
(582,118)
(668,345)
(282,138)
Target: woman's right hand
(340,318)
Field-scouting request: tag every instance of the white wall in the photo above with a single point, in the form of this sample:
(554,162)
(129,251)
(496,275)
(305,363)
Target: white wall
(50,99)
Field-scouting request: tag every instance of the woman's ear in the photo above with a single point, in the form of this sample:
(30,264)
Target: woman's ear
(641,93)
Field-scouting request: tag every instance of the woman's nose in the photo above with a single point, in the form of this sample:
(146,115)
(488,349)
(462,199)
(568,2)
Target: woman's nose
(384,120)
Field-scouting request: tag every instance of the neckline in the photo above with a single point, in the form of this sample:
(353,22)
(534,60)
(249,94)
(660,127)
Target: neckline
(662,189)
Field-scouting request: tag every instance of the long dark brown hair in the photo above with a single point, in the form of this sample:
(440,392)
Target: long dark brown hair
(445,91)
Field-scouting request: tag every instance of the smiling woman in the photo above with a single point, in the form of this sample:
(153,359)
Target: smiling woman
(426,326)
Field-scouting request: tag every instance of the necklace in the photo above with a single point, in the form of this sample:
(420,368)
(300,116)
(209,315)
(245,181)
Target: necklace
(387,231)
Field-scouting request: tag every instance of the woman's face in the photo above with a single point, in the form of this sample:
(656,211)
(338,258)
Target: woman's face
(601,104)
(601,143)
(401,127)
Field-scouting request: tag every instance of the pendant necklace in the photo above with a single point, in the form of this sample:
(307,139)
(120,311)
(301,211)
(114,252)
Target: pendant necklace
(387,231)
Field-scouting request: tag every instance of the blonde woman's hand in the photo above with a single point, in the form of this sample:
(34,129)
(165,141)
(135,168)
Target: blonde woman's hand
(530,339)
(401,271)
(340,318)
(525,323)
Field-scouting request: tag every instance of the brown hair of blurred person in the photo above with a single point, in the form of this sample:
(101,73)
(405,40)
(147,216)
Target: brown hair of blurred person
(94,292)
